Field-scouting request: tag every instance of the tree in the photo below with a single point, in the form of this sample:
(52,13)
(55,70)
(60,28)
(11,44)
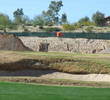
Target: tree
(64,19)
(99,18)
(48,19)
(4,21)
(39,20)
(26,20)
(18,15)
(85,19)
(52,14)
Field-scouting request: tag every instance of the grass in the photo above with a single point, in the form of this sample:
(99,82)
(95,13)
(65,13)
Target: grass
(18,91)
(64,62)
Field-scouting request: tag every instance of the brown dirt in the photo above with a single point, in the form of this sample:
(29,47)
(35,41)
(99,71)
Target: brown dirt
(11,42)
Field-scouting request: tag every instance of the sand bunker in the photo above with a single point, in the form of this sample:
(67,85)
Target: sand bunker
(51,74)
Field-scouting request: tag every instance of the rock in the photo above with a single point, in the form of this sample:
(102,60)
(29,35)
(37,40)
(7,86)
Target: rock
(106,51)
(79,45)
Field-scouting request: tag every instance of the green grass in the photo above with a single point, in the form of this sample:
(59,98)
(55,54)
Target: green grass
(18,91)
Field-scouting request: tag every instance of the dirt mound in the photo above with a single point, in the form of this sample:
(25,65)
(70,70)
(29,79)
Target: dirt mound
(11,42)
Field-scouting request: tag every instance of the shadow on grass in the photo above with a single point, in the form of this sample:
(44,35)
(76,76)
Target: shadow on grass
(25,67)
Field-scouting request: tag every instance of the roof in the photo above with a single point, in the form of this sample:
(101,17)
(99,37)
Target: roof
(107,17)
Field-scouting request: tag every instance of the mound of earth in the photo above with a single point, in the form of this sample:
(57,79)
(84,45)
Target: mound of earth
(11,42)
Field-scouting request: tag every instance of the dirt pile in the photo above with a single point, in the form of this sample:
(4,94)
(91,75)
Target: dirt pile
(11,42)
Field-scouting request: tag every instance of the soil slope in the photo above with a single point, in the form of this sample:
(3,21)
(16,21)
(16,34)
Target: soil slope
(11,42)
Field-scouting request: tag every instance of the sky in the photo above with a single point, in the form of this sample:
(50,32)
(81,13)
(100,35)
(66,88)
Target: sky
(75,9)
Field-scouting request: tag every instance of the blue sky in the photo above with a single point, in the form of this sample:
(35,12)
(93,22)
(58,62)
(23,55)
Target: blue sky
(75,9)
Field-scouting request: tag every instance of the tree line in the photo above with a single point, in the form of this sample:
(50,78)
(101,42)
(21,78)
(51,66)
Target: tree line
(51,17)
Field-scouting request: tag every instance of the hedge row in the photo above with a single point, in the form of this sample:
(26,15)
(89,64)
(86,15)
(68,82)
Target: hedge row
(66,35)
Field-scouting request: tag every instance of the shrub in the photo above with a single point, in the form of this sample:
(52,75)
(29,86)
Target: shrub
(87,23)
(12,27)
(41,27)
(89,29)
(26,30)
(70,27)
(2,27)
(55,29)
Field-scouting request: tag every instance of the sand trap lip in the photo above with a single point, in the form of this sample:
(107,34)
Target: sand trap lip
(51,74)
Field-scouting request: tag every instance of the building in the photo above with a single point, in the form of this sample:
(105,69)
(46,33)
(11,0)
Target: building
(107,20)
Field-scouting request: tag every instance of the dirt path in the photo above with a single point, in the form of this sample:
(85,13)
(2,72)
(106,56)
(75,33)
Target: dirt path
(51,74)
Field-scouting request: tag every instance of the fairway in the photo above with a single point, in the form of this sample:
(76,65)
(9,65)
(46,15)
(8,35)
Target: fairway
(19,91)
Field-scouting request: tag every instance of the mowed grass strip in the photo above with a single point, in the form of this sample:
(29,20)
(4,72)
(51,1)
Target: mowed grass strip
(18,91)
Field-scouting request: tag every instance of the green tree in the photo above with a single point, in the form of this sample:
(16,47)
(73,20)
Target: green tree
(52,14)
(64,19)
(48,19)
(26,20)
(39,20)
(99,18)
(85,19)
(18,15)
(4,21)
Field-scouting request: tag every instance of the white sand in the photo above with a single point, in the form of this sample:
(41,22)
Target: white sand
(58,75)
(88,77)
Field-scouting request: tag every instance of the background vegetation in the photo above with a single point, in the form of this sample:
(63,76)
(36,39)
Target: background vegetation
(51,17)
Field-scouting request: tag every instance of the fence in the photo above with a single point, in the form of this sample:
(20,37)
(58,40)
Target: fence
(105,36)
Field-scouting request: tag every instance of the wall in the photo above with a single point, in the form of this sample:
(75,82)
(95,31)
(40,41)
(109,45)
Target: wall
(67,44)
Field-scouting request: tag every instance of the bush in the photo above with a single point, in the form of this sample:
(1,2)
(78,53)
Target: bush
(26,30)
(12,27)
(89,29)
(70,27)
(55,29)
(2,27)
(41,27)
(87,23)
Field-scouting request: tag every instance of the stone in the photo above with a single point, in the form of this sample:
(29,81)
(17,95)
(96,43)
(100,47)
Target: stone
(75,45)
